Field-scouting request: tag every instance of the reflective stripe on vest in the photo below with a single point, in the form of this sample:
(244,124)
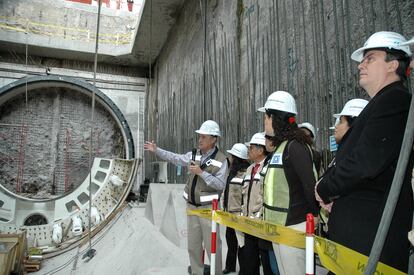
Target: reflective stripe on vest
(257,177)
(207,198)
(196,177)
(235,180)
(214,163)
(196,190)
(232,194)
(276,189)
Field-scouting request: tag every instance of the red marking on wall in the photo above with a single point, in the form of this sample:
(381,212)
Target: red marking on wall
(67,159)
(107,3)
(116,4)
(130,4)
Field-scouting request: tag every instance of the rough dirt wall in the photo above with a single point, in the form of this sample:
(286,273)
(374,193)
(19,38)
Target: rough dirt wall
(254,48)
(45,141)
(120,84)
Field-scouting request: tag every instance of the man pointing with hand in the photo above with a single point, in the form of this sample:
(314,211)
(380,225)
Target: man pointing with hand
(209,168)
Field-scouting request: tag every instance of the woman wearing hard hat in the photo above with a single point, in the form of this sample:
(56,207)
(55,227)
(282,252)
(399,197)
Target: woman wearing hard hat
(366,161)
(310,130)
(290,177)
(347,116)
(343,122)
(253,251)
(232,199)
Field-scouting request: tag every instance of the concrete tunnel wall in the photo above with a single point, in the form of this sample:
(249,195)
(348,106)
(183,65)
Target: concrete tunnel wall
(68,25)
(254,48)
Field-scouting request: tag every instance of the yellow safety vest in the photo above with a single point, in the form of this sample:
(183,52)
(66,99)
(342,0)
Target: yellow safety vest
(276,189)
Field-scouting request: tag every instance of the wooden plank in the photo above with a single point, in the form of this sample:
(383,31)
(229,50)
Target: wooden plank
(20,239)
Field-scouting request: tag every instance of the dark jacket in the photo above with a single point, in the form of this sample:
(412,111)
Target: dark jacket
(298,167)
(360,182)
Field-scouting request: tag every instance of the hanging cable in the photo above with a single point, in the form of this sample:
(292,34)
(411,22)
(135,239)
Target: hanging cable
(91,252)
(149,47)
(149,77)
(27,53)
(204,14)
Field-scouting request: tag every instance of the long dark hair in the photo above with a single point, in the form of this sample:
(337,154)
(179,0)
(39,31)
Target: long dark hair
(237,165)
(285,128)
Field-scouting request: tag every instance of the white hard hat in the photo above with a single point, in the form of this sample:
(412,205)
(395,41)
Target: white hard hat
(258,139)
(280,101)
(409,42)
(308,126)
(352,108)
(390,40)
(239,150)
(209,127)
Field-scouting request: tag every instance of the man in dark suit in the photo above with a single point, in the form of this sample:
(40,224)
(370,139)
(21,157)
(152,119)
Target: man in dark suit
(360,182)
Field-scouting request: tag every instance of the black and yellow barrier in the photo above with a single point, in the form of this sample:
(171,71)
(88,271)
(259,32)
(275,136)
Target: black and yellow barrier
(333,256)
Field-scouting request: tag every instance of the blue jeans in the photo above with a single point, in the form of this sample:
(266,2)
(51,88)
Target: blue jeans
(273,263)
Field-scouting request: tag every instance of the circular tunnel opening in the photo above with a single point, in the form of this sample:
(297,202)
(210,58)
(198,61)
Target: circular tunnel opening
(47,136)
(35,219)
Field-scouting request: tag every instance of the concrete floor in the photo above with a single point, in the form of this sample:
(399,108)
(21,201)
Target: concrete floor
(130,244)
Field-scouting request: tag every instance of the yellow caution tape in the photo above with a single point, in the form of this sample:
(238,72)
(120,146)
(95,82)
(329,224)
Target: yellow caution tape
(335,257)
(342,260)
(259,228)
(262,229)
(202,213)
(50,30)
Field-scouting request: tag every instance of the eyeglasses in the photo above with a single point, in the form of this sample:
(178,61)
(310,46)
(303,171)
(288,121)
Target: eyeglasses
(269,137)
(253,146)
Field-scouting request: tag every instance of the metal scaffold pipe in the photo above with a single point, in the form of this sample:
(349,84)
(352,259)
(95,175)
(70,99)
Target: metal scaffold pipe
(91,252)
